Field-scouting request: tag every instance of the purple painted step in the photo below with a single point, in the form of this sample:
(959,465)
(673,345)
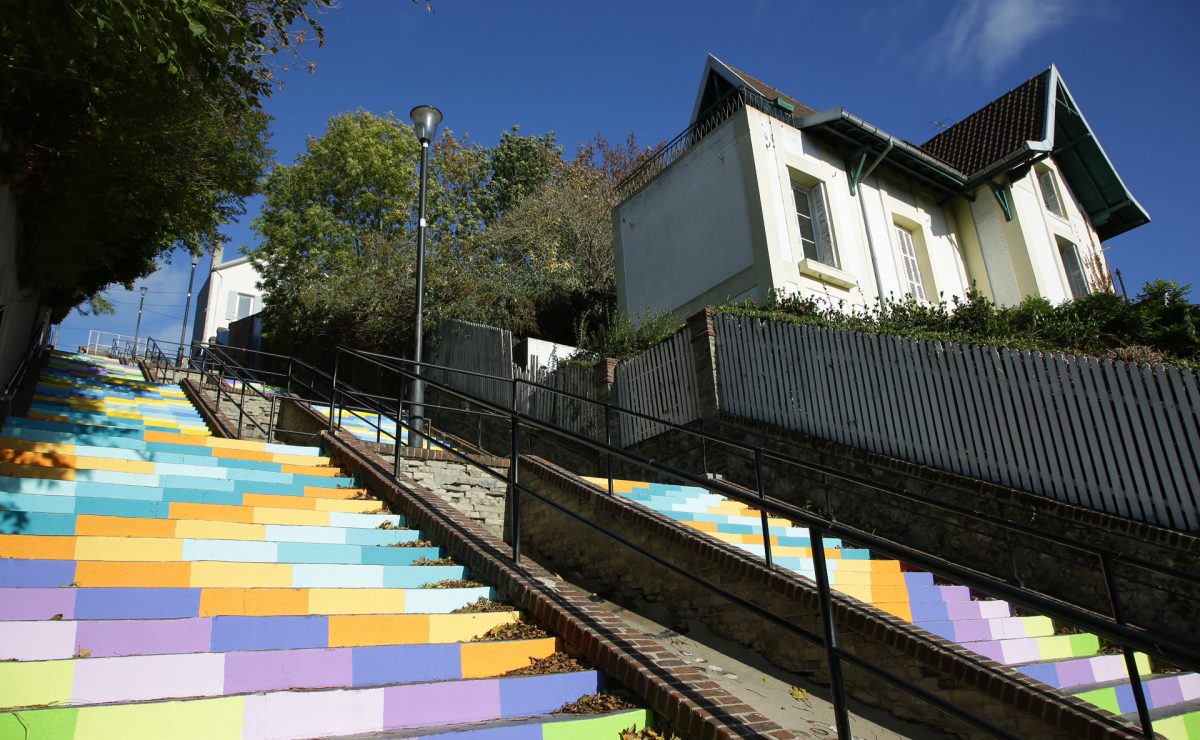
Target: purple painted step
(1074,672)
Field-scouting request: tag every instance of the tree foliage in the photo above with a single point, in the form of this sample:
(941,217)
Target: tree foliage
(517,236)
(128,127)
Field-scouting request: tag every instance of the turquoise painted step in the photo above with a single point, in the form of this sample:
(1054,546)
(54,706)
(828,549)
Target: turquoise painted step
(171,489)
(104,432)
(18,503)
(52,523)
(34,573)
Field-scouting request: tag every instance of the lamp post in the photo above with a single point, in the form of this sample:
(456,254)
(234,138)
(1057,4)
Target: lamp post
(138,329)
(425,120)
(187,307)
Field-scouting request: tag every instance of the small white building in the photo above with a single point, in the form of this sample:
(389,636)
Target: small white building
(229,293)
(762,192)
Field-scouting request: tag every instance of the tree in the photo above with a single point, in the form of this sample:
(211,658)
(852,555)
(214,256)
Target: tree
(133,126)
(558,239)
(338,235)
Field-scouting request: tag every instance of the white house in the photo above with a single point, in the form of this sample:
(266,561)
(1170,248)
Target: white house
(762,192)
(229,293)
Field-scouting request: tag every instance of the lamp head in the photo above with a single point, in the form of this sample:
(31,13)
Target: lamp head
(144,289)
(425,120)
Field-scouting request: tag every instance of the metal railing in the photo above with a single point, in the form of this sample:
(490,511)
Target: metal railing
(218,372)
(345,398)
(1112,628)
(9,394)
(710,119)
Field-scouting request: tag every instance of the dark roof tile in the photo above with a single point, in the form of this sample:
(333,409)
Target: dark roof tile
(995,130)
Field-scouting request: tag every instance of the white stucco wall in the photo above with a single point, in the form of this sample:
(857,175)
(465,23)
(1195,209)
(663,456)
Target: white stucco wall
(236,276)
(689,238)
(721,223)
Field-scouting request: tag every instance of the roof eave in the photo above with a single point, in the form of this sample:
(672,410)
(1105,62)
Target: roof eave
(954,180)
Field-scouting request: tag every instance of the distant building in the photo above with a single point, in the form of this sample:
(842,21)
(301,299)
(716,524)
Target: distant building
(229,293)
(762,192)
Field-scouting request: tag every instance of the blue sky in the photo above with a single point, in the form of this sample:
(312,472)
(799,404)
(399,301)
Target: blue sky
(579,69)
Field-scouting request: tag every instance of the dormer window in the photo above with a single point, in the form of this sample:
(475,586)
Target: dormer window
(1050,194)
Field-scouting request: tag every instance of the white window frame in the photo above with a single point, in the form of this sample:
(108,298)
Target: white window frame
(1068,252)
(822,247)
(911,262)
(234,303)
(1051,194)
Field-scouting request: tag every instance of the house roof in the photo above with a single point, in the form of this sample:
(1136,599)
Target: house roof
(772,93)
(995,130)
(1036,119)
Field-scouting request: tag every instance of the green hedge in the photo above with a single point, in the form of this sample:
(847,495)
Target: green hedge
(1159,325)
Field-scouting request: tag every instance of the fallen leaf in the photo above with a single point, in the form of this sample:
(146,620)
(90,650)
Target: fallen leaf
(798,693)
(56,618)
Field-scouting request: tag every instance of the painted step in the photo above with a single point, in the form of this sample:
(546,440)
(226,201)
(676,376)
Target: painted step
(17,504)
(185,675)
(306,498)
(1030,649)
(211,574)
(142,602)
(1073,672)
(63,524)
(107,638)
(176,550)
(546,727)
(1180,722)
(18,429)
(973,630)
(133,474)
(73,429)
(182,455)
(1161,691)
(306,714)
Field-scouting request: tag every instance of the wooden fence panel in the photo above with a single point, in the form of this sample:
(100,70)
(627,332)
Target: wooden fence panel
(1107,435)
(660,383)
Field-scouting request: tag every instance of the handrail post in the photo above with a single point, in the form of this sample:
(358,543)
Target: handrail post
(513,478)
(836,686)
(608,442)
(337,361)
(271,418)
(242,409)
(762,494)
(1135,678)
(289,377)
(396,441)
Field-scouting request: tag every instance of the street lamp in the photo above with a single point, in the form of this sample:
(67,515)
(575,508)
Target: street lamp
(138,329)
(187,306)
(425,120)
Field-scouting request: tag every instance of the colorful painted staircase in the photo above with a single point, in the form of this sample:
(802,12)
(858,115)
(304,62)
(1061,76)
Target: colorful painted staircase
(156,581)
(1073,663)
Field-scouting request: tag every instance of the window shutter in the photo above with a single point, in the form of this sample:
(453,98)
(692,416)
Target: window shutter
(231,307)
(826,248)
(912,268)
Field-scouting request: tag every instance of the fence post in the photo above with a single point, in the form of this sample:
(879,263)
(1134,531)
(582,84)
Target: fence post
(836,687)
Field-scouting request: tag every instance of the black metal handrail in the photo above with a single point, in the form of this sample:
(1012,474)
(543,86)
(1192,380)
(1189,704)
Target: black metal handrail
(819,528)
(762,453)
(13,386)
(712,117)
(216,367)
